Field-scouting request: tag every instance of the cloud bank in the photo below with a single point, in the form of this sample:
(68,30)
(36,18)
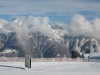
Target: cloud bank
(79,25)
(59,7)
(24,26)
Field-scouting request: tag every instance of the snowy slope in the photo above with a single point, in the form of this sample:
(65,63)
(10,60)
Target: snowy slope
(56,38)
(50,68)
(59,31)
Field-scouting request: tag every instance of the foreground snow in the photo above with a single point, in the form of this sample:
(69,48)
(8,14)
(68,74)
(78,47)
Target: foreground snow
(50,68)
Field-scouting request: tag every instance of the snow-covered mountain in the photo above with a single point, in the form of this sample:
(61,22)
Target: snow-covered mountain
(59,31)
(3,28)
(18,21)
(39,44)
(2,22)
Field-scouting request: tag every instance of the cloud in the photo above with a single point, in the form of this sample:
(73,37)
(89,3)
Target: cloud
(60,7)
(24,26)
(41,24)
(22,33)
(96,24)
(79,25)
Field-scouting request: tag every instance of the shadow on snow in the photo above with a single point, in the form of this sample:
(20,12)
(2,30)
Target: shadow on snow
(12,67)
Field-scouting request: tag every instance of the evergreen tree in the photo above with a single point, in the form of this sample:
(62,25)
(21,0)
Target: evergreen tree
(75,54)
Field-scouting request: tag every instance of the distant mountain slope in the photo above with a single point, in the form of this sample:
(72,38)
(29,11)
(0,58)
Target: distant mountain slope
(39,44)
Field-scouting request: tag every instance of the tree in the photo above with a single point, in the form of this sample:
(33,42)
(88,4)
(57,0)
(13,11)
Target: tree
(82,55)
(75,54)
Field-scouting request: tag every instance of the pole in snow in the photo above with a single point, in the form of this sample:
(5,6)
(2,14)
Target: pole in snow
(28,61)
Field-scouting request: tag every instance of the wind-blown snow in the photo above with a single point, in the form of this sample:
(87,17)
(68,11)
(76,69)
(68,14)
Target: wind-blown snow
(50,68)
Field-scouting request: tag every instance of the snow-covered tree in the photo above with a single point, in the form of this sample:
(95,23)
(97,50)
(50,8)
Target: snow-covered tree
(97,48)
(91,49)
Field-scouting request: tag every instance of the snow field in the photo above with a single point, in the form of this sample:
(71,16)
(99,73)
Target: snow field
(50,68)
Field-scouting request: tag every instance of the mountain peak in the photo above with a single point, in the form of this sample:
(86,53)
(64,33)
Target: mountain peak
(3,21)
(57,27)
(18,21)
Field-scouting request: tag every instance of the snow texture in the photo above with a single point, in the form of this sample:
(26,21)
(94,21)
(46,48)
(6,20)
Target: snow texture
(50,68)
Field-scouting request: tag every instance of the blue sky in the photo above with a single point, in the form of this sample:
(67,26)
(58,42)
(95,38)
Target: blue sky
(56,10)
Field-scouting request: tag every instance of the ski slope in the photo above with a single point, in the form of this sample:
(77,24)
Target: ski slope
(50,68)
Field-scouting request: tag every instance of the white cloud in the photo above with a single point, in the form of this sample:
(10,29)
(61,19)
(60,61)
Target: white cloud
(47,6)
(96,24)
(79,25)
(32,24)
(41,24)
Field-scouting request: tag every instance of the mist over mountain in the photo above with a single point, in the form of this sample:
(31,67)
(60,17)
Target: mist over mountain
(35,36)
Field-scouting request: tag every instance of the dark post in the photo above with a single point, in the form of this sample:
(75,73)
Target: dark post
(27,61)
(30,62)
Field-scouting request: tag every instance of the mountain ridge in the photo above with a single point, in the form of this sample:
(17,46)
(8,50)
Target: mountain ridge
(41,45)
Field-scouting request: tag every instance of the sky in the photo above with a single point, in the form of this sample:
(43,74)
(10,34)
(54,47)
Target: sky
(56,10)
